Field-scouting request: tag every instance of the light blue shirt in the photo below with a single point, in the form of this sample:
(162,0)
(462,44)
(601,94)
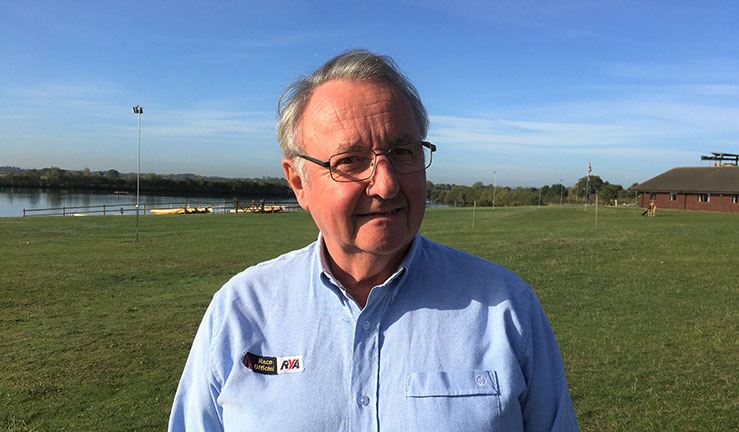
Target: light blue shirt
(450,342)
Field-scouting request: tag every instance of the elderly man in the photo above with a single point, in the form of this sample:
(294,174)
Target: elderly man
(371,327)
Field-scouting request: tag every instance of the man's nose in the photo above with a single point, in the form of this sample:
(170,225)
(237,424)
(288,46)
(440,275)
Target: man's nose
(384,181)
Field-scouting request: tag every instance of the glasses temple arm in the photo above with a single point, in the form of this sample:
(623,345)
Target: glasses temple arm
(315,161)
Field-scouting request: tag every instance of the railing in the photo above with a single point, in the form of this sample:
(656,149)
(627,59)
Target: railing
(249,206)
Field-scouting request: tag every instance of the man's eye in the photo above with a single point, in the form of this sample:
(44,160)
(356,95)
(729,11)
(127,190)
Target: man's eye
(345,160)
(402,152)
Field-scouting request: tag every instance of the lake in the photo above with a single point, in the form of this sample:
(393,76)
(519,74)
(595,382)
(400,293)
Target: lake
(14,200)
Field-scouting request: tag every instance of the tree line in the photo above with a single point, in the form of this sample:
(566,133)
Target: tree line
(192,185)
(482,195)
(150,184)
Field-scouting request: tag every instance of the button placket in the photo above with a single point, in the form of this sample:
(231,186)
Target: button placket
(365,367)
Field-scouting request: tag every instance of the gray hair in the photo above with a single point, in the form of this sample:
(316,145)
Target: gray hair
(358,65)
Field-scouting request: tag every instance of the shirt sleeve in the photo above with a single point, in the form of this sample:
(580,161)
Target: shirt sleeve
(195,406)
(546,404)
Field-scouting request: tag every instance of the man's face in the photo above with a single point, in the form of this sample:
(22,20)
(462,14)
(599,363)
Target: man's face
(382,214)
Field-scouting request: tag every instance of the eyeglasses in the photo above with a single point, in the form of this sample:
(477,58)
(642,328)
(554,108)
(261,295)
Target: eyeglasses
(359,165)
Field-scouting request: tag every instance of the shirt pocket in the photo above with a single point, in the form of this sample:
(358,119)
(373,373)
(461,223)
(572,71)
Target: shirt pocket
(464,400)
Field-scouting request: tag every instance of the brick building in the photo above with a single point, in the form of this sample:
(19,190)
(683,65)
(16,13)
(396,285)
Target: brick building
(713,188)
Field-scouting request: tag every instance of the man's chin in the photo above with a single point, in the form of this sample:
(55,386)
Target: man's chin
(385,243)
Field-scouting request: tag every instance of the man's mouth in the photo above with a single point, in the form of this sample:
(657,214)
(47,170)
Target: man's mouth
(381,213)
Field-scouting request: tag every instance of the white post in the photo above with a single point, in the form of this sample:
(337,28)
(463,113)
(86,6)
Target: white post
(474,213)
(539,192)
(495,186)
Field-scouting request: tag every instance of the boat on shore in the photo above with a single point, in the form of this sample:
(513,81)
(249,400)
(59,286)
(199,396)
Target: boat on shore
(182,210)
(259,209)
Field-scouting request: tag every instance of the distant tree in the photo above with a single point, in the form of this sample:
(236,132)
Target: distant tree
(557,191)
(485,196)
(53,177)
(594,184)
(609,193)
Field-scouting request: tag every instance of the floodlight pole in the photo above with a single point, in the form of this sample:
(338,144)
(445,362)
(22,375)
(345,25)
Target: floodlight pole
(138,110)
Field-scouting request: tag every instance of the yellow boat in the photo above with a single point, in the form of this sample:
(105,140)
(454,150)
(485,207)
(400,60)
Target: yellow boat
(182,210)
(259,209)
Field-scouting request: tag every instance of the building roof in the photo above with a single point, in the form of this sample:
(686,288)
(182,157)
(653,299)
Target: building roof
(716,179)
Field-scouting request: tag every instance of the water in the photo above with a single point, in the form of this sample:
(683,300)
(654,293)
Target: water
(14,200)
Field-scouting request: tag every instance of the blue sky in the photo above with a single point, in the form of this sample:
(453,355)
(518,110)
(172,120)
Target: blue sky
(529,89)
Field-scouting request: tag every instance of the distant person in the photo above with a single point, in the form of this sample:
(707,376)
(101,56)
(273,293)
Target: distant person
(372,326)
(650,211)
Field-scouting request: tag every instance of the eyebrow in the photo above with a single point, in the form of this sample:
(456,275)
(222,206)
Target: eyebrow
(402,139)
(344,147)
(360,145)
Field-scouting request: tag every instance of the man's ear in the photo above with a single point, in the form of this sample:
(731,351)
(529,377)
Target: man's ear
(296,182)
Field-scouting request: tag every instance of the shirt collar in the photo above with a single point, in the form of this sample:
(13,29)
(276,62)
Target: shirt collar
(394,281)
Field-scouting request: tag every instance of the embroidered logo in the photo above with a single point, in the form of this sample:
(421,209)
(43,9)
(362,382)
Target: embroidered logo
(273,365)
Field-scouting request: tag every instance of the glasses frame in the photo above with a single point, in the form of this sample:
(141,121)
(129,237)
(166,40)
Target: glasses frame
(327,164)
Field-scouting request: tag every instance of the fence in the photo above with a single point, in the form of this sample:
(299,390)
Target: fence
(144,208)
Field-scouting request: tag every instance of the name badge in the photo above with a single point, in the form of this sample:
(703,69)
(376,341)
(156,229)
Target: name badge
(273,365)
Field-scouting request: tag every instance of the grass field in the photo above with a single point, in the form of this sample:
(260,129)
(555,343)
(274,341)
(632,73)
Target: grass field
(95,328)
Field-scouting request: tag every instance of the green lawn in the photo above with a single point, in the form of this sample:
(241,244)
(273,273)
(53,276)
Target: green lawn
(95,328)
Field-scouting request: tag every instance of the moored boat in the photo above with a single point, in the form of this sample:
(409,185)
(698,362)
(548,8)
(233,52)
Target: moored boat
(182,210)
(260,209)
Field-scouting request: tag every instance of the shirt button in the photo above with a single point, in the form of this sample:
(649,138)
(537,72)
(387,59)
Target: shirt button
(481,380)
(363,400)
(367,325)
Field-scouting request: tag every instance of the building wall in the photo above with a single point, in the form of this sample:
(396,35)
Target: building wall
(689,201)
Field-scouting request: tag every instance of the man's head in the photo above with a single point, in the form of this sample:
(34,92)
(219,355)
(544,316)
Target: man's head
(354,65)
(357,101)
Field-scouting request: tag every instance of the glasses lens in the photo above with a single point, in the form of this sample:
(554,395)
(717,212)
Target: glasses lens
(358,165)
(410,158)
(351,166)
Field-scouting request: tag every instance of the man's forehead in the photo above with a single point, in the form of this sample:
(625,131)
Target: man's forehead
(351,113)
(344,96)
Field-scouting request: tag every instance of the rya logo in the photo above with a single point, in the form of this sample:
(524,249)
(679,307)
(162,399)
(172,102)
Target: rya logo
(290,364)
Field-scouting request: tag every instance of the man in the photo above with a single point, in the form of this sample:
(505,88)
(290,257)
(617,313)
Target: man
(372,327)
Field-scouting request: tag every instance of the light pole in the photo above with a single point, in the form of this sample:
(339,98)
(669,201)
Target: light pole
(561,186)
(138,110)
(539,192)
(495,186)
